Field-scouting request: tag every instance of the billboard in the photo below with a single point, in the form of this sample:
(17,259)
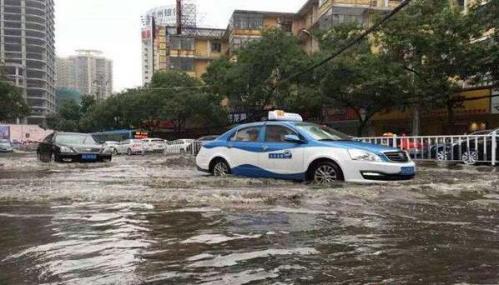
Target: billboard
(494,102)
(5,132)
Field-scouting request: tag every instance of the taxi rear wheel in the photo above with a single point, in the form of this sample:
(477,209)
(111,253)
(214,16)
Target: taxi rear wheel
(325,173)
(220,168)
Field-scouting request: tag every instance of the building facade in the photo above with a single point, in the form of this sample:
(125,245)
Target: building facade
(88,72)
(27,52)
(246,26)
(164,49)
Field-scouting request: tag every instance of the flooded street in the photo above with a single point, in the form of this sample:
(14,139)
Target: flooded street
(155,220)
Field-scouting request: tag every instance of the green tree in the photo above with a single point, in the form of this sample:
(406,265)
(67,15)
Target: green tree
(87,102)
(435,43)
(183,100)
(361,79)
(67,118)
(250,80)
(12,103)
(65,94)
(485,14)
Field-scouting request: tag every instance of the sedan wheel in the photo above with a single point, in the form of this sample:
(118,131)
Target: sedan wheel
(46,157)
(115,151)
(470,157)
(442,155)
(221,169)
(129,152)
(326,173)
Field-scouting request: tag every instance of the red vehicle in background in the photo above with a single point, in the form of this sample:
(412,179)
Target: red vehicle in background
(414,147)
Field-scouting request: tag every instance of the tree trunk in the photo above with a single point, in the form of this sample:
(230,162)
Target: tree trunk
(361,127)
(416,120)
(450,118)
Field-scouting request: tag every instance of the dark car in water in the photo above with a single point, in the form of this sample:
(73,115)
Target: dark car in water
(470,150)
(5,146)
(72,147)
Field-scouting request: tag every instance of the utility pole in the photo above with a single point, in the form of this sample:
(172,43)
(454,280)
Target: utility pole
(179,17)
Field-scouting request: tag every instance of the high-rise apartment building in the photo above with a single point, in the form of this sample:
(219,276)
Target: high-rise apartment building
(27,52)
(87,72)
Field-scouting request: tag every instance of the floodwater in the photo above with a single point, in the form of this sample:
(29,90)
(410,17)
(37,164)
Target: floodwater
(155,220)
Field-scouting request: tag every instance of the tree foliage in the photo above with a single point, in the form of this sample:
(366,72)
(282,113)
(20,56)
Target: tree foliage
(436,43)
(171,96)
(65,94)
(12,103)
(250,80)
(362,79)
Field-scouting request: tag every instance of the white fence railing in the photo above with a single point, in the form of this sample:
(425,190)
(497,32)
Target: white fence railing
(470,149)
(191,149)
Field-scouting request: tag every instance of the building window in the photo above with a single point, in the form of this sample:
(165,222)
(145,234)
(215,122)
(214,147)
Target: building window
(182,63)
(286,26)
(248,21)
(216,47)
(240,42)
(182,43)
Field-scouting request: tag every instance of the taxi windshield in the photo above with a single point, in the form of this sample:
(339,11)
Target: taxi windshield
(322,133)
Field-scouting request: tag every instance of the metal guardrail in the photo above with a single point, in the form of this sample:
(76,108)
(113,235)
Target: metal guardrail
(470,149)
(192,149)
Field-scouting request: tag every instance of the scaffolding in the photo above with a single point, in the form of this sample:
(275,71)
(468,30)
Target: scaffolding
(186,12)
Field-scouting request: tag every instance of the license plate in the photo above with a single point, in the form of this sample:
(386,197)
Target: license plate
(408,171)
(89,156)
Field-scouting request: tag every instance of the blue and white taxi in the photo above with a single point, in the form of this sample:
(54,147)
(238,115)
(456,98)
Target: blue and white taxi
(285,147)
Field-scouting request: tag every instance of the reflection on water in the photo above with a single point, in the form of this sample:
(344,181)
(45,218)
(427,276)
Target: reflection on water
(131,243)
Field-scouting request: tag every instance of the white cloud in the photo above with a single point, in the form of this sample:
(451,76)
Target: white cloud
(113,26)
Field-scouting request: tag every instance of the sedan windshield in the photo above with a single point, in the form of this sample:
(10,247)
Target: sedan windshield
(75,139)
(322,133)
(5,142)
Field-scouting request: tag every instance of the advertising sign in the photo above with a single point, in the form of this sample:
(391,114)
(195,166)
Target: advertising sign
(494,102)
(4,132)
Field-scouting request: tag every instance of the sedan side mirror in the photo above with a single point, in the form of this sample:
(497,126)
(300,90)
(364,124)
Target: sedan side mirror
(293,139)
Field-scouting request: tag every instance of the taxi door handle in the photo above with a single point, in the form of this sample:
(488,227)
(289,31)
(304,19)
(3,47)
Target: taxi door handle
(229,146)
(265,147)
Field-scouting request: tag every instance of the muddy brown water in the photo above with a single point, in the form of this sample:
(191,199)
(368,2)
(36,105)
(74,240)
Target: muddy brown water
(155,220)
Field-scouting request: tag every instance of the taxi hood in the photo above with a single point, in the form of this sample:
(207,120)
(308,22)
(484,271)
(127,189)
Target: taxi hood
(375,148)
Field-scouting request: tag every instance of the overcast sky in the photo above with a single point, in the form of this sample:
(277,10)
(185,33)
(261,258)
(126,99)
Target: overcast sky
(113,26)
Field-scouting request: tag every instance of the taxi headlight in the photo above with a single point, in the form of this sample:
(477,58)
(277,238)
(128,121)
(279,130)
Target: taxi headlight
(66,149)
(357,154)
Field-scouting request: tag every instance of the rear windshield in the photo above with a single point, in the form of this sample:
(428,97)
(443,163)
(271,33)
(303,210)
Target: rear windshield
(75,139)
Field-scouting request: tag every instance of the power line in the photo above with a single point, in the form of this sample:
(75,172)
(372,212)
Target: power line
(178,88)
(352,43)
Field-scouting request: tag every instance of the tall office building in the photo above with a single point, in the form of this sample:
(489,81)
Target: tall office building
(27,52)
(87,72)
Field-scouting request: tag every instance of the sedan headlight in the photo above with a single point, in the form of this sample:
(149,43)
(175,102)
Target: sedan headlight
(66,149)
(357,154)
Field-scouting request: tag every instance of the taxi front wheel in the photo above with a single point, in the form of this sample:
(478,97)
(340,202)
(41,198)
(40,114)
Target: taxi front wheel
(325,173)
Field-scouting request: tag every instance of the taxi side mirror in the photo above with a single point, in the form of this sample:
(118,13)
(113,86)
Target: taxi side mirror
(293,139)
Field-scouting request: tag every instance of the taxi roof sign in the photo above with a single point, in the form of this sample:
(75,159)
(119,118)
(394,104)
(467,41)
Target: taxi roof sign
(283,116)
